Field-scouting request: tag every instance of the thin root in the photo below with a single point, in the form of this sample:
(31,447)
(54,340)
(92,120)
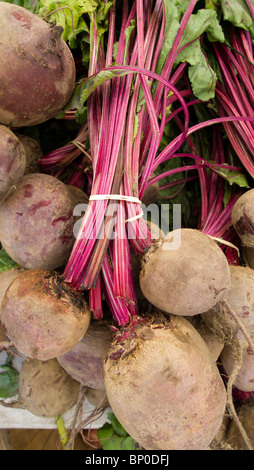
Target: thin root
(231,380)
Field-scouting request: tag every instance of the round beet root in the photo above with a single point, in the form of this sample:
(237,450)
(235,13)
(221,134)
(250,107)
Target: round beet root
(243,218)
(84,362)
(45,389)
(188,279)
(12,161)
(97,398)
(43,317)
(156,389)
(37,72)
(244,379)
(33,153)
(78,196)
(248,256)
(151,193)
(36,222)
(241,297)
(6,279)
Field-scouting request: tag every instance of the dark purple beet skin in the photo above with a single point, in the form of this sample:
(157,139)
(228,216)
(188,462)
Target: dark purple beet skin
(37,73)
(12,161)
(36,222)
(84,362)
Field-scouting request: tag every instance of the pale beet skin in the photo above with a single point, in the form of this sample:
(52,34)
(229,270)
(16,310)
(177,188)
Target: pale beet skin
(6,279)
(42,316)
(45,389)
(12,161)
(241,297)
(211,339)
(235,320)
(187,280)
(237,309)
(84,362)
(165,388)
(244,379)
(243,218)
(36,222)
(37,72)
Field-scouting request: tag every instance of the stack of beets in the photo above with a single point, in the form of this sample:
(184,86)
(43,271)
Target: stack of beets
(159,370)
(36,212)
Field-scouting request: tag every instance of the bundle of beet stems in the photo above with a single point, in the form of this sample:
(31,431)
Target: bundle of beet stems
(118,154)
(127,111)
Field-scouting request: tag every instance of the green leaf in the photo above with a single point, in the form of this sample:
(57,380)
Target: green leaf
(120,431)
(9,378)
(105,433)
(129,444)
(87,87)
(203,80)
(127,33)
(172,26)
(103,8)
(81,115)
(200,22)
(68,15)
(111,441)
(212,4)
(113,436)
(231,176)
(6,262)
(24,3)
(237,12)
(202,76)
(120,443)
(135,127)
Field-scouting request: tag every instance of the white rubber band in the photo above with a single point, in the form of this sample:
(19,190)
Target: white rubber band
(119,197)
(138,216)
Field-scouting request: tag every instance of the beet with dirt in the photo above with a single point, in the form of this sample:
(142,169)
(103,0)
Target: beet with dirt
(45,389)
(154,386)
(43,316)
(6,278)
(185,274)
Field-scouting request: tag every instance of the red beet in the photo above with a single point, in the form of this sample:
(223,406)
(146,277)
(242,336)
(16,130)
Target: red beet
(36,222)
(37,73)
(12,161)
(84,362)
